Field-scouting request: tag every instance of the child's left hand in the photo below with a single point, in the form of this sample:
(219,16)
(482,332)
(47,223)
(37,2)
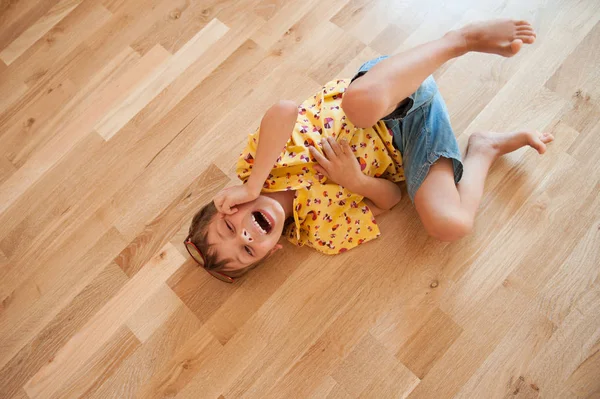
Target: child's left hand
(339,163)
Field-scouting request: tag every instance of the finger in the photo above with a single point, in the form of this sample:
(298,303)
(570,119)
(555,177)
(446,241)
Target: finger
(327,149)
(334,146)
(227,204)
(345,147)
(218,200)
(318,156)
(320,170)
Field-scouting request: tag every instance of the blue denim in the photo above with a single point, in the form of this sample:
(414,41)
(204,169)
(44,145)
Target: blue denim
(422,132)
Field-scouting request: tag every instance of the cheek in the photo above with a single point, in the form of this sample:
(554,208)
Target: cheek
(266,246)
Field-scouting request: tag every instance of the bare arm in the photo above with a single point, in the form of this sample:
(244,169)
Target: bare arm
(339,164)
(383,193)
(275,130)
(375,210)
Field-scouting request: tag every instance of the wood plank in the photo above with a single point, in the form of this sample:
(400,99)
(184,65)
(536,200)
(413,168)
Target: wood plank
(578,74)
(507,108)
(238,306)
(508,311)
(114,83)
(20,395)
(186,153)
(58,42)
(575,341)
(563,291)
(99,367)
(188,362)
(99,330)
(91,56)
(280,21)
(545,208)
(116,118)
(177,27)
(177,215)
(584,380)
(474,345)
(35,302)
(59,238)
(338,392)
(422,350)
(17,16)
(6,169)
(57,332)
(15,117)
(152,358)
(20,139)
(366,362)
(37,30)
(504,372)
(152,314)
(15,90)
(499,206)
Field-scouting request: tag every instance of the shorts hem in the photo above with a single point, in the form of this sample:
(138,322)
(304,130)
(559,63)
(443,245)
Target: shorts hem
(416,183)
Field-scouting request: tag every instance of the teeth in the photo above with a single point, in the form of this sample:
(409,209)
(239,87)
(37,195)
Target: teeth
(258,225)
(266,218)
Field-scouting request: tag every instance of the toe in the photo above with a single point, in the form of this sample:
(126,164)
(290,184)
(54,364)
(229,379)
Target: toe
(525,31)
(526,39)
(536,142)
(522,23)
(516,45)
(546,138)
(525,28)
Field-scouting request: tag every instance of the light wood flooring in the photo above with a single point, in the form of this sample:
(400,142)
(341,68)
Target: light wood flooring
(120,118)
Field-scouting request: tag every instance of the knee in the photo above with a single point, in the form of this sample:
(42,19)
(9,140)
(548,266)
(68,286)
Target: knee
(364,104)
(450,227)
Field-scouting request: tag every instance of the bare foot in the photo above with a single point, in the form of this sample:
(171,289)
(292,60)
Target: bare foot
(504,37)
(498,144)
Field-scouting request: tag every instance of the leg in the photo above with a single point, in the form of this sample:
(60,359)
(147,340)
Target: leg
(448,210)
(389,82)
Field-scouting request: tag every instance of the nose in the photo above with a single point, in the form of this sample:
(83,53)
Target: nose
(246,236)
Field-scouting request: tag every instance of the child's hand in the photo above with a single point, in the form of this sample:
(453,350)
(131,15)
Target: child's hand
(228,198)
(339,163)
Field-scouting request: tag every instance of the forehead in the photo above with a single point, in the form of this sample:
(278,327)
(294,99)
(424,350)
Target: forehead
(221,246)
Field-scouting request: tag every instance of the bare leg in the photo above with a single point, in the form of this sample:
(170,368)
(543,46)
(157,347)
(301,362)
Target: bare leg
(377,93)
(448,210)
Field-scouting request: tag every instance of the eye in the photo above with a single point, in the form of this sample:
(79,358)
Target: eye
(248,250)
(229,226)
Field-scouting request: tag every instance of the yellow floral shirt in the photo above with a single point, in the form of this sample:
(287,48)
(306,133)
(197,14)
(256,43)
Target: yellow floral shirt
(327,216)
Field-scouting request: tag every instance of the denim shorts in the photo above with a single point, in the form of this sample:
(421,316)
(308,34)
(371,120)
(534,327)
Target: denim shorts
(422,132)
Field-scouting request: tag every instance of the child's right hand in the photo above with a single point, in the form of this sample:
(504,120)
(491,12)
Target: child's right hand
(226,200)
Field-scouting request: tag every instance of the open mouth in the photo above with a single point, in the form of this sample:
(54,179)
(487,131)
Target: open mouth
(262,222)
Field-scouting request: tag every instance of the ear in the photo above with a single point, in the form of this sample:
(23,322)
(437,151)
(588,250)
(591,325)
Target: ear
(276,248)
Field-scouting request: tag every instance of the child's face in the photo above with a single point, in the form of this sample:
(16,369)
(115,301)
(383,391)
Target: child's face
(248,235)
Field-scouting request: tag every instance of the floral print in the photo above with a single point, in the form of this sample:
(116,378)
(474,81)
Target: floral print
(327,216)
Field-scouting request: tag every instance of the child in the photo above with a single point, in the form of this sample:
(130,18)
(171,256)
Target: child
(344,150)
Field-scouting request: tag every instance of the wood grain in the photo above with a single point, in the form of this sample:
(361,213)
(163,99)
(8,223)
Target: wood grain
(119,119)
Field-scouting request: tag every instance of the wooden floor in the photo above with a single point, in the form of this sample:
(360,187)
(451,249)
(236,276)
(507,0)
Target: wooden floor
(120,118)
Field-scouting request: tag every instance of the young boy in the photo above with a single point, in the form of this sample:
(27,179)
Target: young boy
(344,150)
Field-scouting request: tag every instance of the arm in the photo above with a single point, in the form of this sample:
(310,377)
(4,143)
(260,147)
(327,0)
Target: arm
(275,130)
(375,210)
(340,165)
(383,193)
